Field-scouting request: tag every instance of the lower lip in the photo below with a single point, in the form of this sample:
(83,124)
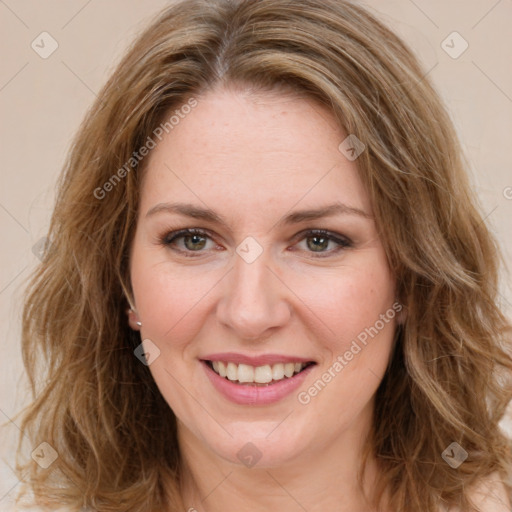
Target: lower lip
(245,394)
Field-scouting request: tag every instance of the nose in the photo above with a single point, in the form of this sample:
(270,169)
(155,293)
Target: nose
(254,303)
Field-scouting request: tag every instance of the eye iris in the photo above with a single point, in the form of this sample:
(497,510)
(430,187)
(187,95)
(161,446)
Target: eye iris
(318,243)
(194,242)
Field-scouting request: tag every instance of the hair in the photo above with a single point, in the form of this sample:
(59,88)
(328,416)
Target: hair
(449,376)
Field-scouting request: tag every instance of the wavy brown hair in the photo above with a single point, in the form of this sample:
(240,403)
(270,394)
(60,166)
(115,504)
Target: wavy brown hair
(449,376)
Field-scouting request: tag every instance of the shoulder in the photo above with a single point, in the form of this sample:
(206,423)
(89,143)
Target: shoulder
(491,495)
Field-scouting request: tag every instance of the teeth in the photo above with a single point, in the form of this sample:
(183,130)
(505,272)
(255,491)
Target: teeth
(245,373)
(289,369)
(232,371)
(222,369)
(262,374)
(278,371)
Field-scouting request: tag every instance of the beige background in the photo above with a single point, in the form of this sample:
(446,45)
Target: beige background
(42,102)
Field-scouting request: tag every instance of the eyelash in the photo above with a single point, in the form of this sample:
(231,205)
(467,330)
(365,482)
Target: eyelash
(343,242)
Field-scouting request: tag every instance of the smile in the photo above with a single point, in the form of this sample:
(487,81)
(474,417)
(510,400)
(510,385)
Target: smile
(263,375)
(256,380)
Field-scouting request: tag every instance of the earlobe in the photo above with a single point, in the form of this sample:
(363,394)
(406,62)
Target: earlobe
(402,316)
(401,312)
(133,320)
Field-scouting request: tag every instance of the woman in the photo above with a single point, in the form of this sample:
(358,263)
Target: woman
(268,286)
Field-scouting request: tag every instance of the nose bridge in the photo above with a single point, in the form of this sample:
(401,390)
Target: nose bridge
(253,302)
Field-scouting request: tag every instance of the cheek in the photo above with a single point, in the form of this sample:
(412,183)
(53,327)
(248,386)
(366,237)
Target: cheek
(171,305)
(346,301)
(356,319)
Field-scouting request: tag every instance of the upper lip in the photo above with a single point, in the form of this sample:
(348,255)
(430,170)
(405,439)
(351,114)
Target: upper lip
(259,360)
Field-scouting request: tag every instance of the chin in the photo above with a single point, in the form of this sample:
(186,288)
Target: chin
(262,445)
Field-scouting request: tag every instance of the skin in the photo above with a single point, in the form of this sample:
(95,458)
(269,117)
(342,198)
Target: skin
(253,159)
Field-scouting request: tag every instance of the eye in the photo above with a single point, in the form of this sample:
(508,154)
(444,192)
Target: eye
(320,242)
(323,242)
(189,240)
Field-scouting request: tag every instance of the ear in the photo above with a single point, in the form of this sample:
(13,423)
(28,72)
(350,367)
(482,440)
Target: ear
(133,320)
(401,316)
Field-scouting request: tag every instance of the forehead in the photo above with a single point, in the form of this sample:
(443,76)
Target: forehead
(236,148)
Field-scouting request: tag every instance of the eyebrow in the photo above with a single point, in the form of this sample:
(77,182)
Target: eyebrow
(206,214)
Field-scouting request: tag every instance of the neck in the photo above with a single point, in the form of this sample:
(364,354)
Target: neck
(323,478)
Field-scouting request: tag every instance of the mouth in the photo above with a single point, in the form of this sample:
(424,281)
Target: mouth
(257,376)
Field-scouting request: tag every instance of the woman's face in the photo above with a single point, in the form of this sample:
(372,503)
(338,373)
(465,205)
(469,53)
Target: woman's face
(283,271)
